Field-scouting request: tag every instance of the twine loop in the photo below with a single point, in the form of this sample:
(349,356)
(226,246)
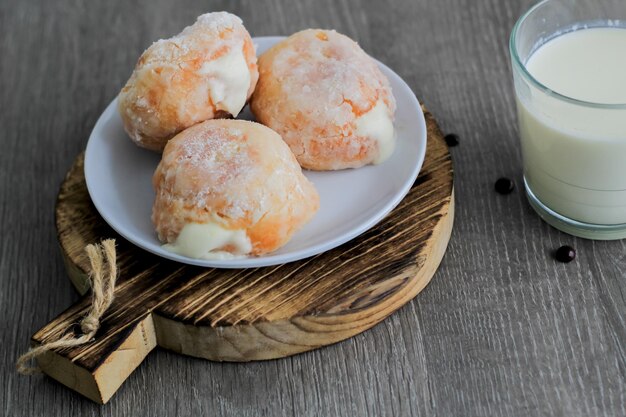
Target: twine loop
(89,325)
(102,258)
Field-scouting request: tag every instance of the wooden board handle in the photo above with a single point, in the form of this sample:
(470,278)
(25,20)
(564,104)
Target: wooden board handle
(128,346)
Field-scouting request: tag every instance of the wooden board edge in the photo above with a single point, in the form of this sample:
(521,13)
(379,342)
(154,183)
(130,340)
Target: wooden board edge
(71,375)
(78,277)
(282,338)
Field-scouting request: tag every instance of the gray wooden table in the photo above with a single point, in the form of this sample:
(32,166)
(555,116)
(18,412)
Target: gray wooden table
(502,330)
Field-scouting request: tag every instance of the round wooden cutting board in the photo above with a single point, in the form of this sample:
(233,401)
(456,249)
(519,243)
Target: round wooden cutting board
(246,314)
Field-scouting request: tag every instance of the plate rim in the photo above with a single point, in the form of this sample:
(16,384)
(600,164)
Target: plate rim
(270,259)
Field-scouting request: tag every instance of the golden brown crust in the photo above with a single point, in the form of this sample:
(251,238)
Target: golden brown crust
(238,174)
(312,88)
(173,85)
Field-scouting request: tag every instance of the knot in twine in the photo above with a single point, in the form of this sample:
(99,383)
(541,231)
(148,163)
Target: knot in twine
(100,256)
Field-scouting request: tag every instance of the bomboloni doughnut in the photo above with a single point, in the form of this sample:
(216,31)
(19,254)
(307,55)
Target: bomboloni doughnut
(207,71)
(229,188)
(328,100)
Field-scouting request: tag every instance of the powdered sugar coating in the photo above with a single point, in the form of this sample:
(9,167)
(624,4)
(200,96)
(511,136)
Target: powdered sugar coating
(312,88)
(235,173)
(170,88)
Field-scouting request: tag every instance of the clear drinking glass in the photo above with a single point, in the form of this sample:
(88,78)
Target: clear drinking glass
(574,151)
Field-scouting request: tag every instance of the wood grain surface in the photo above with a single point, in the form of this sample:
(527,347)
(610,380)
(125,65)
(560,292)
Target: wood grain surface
(503,330)
(250,314)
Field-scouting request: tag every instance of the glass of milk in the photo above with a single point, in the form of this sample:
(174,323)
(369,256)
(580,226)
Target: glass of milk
(569,69)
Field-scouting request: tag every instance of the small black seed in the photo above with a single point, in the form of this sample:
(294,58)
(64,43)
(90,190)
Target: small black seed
(504,186)
(565,254)
(452,139)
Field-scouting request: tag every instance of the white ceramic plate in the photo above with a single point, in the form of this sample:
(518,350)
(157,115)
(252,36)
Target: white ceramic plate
(119,175)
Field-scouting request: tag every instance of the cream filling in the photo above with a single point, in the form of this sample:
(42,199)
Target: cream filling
(377,124)
(229,81)
(200,241)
